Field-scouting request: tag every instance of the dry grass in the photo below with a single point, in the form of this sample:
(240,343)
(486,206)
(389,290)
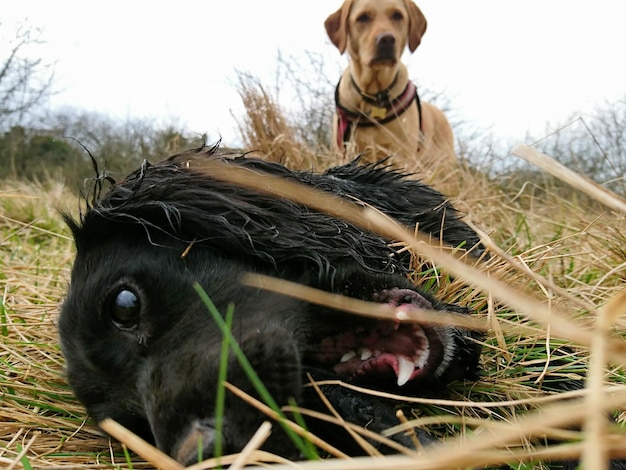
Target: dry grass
(36,252)
(555,279)
(266,131)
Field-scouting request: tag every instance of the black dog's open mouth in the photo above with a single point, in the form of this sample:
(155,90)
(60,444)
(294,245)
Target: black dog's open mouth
(406,350)
(385,349)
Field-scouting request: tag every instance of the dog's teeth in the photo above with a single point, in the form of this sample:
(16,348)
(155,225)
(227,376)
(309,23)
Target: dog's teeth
(405,369)
(421,360)
(365,354)
(420,334)
(347,356)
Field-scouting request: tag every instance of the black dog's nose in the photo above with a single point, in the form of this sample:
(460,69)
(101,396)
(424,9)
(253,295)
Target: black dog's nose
(385,40)
(197,444)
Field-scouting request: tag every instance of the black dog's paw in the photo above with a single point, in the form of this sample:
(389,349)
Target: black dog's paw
(370,412)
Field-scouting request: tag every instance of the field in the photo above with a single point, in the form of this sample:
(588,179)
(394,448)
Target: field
(552,292)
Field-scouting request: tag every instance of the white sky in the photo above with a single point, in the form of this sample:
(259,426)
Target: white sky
(510,66)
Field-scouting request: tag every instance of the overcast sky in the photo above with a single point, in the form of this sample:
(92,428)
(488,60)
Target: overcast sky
(508,66)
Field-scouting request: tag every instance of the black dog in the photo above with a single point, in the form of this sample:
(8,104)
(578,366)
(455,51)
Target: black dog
(142,349)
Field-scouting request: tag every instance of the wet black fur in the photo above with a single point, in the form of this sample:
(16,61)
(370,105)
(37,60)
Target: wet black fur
(157,375)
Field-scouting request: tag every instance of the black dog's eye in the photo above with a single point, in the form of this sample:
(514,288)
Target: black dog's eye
(125,308)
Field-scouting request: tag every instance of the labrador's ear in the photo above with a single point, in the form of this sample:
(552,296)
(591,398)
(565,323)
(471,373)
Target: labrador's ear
(417,24)
(337,26)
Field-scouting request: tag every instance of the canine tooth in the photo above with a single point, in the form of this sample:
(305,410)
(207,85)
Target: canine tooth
(377,352)
(365,354)
(347,356)
(405,370)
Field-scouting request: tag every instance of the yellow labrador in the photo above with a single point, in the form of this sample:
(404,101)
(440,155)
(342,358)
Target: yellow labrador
(378,109)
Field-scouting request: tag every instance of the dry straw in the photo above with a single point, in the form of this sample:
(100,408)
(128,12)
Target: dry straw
(555,279)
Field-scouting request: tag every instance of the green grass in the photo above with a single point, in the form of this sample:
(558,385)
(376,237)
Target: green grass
(254,379)
(222,375)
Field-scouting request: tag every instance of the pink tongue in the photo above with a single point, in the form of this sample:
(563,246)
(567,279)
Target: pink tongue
(386,361)
(382,364)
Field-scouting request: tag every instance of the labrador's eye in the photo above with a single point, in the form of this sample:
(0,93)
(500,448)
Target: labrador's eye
(124,308)
(363,18)
(397,16)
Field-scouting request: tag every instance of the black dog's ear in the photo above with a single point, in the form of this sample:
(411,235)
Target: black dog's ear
(74,227)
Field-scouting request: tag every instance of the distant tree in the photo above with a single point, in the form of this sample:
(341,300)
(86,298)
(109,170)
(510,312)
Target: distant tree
(25,83)
(30,155)
(311,95)
(288,120)
(594,146)
(60,144)
(121,145)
